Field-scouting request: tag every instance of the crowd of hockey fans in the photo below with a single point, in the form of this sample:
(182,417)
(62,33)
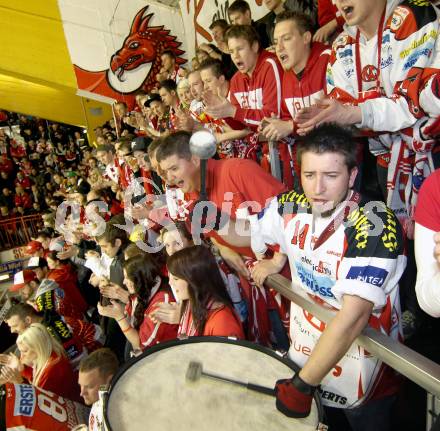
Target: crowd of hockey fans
(348,96)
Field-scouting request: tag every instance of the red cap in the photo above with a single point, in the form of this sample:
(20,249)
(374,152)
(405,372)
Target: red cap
(21,278)
(33,246)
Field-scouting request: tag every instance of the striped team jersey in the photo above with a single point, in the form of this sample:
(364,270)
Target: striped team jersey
(259,95)
(357,251)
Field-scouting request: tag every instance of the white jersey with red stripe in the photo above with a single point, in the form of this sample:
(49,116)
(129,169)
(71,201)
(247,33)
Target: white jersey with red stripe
(352,259)
(395,82)
(259,95)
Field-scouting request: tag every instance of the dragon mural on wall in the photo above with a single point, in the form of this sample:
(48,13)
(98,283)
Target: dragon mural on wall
(135,65)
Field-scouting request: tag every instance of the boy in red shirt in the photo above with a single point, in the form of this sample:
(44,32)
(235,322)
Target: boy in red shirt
(305,64)
(255,90)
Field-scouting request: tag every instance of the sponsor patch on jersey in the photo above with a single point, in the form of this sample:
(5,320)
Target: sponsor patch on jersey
(385,62)
(319,285)
(348,52)
(413,58)
(25,400)
(368,274)
(399,16)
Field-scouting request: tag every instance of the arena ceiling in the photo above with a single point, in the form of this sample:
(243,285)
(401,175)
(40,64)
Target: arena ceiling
(36,74)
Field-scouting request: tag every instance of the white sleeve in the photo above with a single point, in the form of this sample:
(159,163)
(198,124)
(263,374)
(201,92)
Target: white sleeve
(412,55)
(268,227)
(428,271)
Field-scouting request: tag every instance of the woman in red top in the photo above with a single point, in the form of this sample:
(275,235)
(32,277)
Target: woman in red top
(197,282)
(43,363)
(147,288)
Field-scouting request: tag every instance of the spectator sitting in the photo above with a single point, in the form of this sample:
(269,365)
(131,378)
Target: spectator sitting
(207,309)
(6,199)
(96,371)
(26,284)
(43,363)
(6,164)
(146,287)
(22,200)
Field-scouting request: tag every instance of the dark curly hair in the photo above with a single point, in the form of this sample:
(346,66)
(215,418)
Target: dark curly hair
(329,138)
(143,271)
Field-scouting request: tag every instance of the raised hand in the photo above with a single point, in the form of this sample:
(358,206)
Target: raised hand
(218,106)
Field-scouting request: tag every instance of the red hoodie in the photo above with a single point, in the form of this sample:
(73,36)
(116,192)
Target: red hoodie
(259,95)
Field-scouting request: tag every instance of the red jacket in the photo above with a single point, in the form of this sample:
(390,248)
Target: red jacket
(25,183)
(18,152)
(151,333)
(306,90)
(6,166)
(259,95)
(58,377)
(24,201)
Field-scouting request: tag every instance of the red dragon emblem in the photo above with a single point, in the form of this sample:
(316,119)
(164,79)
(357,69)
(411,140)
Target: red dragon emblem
(142,48)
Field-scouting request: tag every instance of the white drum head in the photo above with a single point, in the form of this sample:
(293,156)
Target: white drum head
(153,393)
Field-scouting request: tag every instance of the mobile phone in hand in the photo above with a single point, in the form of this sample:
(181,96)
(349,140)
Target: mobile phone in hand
(104,301)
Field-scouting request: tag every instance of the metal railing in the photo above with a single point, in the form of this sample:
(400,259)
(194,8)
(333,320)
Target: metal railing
(406,361)
(17,231)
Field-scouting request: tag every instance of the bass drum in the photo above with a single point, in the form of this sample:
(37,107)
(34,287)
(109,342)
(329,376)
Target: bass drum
(152,393)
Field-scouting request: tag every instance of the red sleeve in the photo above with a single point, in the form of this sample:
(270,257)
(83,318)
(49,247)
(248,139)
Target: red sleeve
(270,80)
(428,203)
(326,12)
(223,323)
(85,332)
(58,377)
(263,186)
(151,333)
(27,373)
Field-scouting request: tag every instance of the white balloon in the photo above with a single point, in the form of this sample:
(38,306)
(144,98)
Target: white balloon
(203,144)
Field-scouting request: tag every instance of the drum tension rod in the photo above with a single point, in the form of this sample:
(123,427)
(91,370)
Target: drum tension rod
(195,371)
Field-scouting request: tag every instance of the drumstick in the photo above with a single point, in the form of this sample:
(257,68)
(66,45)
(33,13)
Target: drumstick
(195,371)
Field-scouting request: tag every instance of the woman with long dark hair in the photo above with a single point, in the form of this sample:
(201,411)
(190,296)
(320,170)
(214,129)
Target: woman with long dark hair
(147,288)
(196,281)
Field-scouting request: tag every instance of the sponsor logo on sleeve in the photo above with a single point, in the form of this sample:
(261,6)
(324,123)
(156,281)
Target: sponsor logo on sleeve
(24,400)
(368,274)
